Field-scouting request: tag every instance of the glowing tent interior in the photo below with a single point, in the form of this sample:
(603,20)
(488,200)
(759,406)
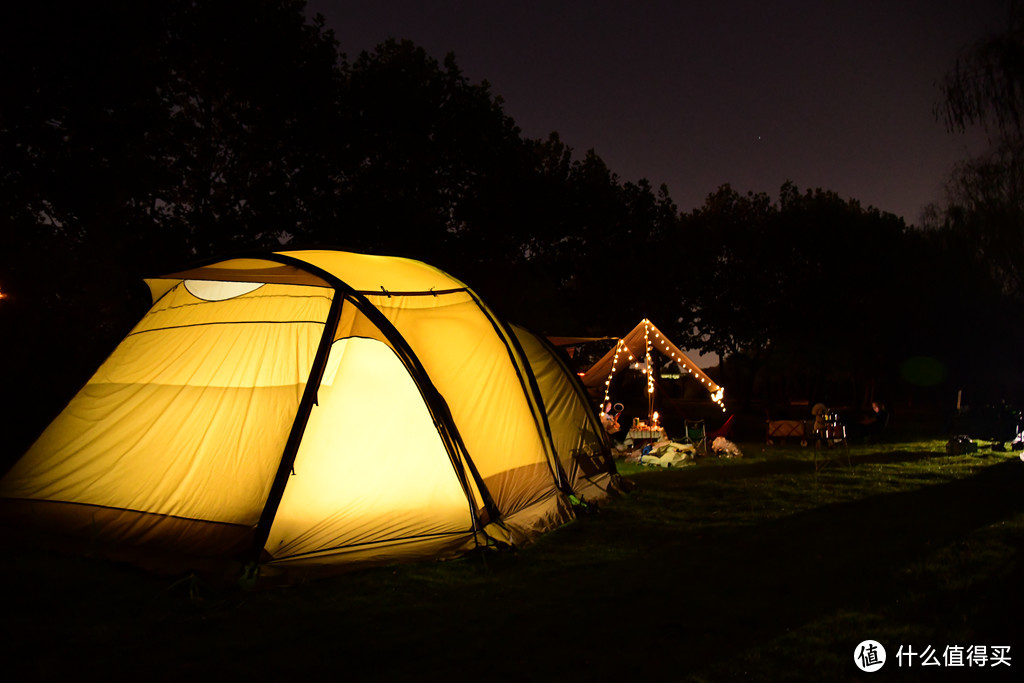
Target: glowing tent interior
(310,411)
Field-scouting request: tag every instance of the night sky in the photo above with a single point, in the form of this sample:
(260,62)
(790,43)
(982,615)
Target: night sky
(837,95)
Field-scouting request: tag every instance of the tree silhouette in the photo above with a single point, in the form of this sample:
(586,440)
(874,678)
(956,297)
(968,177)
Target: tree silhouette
(979,225)
(986,85)
(137,136)
(985,196)
(798,292)
(424,156)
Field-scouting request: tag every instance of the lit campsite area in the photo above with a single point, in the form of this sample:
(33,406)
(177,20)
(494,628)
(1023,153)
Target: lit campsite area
(625,342)
(760,568)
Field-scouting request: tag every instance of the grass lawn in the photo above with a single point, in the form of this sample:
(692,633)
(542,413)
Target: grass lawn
(755,569)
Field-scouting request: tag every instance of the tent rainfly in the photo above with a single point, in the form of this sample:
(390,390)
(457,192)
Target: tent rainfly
(312,411)
(638,344)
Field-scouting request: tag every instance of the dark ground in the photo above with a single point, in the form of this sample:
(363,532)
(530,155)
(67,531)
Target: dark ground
(758,570)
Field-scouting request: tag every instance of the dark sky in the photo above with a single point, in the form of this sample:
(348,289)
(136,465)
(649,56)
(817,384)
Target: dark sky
(836,94)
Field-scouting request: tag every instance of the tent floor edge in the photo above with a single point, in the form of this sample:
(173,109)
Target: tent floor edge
(603,487)
(547,514)
(205,548)
(285,570)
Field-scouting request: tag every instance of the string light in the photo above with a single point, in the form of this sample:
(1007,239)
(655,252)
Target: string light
(670,351)
(619,348)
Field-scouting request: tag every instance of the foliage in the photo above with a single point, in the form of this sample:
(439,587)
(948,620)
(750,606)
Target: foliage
(978,228)
(425,156)
(785,283)
(140,136)
(596,241)
(986,85)
(985,207)
(162,132)
(985,196)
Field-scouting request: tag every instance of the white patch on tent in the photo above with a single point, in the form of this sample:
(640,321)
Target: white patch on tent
(212,290)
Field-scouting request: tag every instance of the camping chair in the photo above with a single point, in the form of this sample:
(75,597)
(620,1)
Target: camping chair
(696,435)
(725,431)
(588,460)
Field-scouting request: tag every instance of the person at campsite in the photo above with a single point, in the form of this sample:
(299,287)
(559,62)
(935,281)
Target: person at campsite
(876,420)
(820,413)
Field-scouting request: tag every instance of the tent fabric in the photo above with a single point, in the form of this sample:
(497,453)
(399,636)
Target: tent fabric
(575,428)
(313,410)
(634,345)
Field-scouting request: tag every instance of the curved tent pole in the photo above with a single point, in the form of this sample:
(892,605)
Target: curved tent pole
(538,401)
(581,393)
(530,388)
(432,397)
(291,449)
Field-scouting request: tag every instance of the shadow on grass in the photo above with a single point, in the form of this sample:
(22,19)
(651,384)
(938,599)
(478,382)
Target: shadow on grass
(727,591)
(627,600)
(713,470)
(892,457)
(633,593)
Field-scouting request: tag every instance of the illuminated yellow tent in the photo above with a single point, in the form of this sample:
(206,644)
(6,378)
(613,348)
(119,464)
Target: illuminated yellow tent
(310,410)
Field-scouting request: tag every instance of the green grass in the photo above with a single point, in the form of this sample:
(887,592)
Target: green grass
(756,569)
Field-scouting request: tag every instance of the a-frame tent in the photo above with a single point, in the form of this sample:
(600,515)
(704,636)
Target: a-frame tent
(637,346)
(313,410)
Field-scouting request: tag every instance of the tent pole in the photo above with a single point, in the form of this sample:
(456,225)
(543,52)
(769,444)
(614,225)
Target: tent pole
(435,403)
(291,449)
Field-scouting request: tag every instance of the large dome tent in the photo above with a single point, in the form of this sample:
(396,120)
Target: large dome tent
(312,411)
